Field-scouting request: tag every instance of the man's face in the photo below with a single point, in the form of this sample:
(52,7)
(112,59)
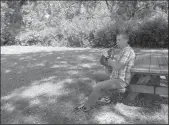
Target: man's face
(121,41)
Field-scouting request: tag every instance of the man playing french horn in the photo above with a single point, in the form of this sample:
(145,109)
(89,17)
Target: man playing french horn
(117,67)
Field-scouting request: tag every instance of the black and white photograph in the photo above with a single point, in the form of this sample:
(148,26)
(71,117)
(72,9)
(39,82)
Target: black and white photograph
(84,62)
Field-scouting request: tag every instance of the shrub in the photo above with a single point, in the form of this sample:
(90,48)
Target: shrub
(83,23)
(151,32)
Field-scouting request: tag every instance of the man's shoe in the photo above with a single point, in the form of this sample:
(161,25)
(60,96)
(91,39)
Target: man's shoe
(83,108)
(106,100)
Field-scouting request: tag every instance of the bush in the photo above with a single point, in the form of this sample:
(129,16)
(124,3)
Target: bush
(11,21)
(46,37)
(105,37)
(152,32)
(83,23)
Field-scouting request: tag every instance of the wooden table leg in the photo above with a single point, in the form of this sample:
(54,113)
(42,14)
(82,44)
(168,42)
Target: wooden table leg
(156,98)
(143,79)
(131,96)
(166,77)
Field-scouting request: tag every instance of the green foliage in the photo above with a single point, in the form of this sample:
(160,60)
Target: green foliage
(151,32)
(84,23)
(11,21)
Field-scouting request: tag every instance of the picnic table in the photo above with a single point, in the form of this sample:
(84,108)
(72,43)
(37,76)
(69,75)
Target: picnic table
(150,66)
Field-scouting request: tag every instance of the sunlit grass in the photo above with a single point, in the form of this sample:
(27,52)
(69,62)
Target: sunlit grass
(45,84)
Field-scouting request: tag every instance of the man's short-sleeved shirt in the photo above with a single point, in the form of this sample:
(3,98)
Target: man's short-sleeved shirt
(127,57)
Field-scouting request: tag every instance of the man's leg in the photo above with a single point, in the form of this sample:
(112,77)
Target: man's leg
(100,76)
(104,85)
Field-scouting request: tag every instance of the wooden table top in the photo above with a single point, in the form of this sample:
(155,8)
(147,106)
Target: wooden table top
(151,61)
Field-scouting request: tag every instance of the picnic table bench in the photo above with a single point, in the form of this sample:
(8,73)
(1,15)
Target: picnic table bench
(150,66)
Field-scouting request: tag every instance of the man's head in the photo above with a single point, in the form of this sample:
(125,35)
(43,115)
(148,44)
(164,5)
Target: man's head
(122,39)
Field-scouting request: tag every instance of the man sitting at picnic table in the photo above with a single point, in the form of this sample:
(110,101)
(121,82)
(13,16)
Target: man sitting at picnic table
(120,76)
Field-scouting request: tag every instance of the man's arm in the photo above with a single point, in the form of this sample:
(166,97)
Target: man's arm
(117,65)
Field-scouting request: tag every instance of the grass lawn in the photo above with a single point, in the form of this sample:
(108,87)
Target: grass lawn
(44,85)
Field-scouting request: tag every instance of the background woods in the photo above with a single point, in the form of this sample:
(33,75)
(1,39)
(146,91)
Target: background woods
(83,23)
(44,84)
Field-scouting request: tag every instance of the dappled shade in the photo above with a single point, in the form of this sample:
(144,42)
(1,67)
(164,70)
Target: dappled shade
(45,86)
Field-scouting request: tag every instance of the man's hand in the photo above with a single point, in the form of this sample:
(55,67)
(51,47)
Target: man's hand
(104,62)
(104,59)
(108,70)
(111,52)
(115,65)
(105,53)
